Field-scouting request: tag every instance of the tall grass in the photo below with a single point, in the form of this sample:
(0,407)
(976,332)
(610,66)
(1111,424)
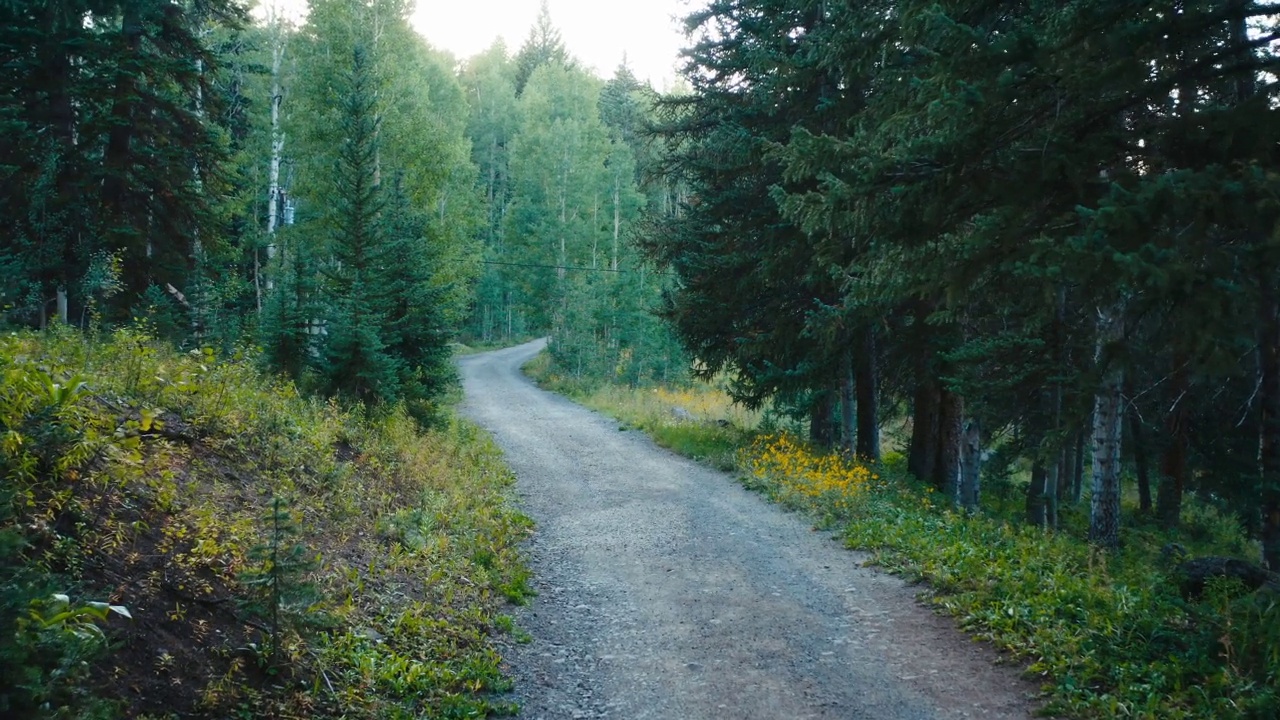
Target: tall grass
(699,421)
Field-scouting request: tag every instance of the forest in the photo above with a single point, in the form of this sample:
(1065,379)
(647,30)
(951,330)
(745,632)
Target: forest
(1035,230)
(1028,252)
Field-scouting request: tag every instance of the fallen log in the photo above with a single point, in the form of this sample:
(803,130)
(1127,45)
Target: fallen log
(1194,575)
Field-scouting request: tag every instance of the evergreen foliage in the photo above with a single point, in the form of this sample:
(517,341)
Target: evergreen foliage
(280,593)
(418,332)
(109,146)
(1046,217)
(356,362)
(376,274)
(544,46)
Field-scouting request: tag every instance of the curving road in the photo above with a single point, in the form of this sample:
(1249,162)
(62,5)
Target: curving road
(667,591)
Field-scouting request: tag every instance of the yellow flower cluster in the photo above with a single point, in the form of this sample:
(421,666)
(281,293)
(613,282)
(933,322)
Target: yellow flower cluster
(833,481)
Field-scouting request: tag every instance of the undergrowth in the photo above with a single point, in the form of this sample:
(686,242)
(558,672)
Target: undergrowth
(1107,633)
(182,536)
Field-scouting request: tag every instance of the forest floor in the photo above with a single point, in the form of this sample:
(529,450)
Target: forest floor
(666,590)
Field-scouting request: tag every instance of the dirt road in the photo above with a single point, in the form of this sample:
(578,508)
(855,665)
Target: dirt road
(667,591)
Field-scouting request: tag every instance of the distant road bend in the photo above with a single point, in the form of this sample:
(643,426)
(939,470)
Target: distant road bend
(668,592)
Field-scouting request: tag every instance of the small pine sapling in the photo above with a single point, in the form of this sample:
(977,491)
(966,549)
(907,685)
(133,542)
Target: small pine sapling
(280,594)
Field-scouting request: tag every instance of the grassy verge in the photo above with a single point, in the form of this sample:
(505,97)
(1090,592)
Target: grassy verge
(700,423)
(1108,633)
(183,537)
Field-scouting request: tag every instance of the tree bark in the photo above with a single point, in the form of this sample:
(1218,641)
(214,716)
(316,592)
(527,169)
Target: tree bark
(821,427)
(1173,463)
(1051,480)
(57,63)
(564,220)
(617,218)
(924,426)
(1035,495)
(866,377)
(62,305)
(1269,422)
(116,158)
(847,429)
(277,146)
(1053,463)
(1077,469)
(1108,416)
(946,469)
(1066,473)
(970,465)
(1140,459)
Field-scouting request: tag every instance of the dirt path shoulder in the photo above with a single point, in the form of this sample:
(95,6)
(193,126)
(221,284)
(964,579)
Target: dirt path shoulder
(667,591)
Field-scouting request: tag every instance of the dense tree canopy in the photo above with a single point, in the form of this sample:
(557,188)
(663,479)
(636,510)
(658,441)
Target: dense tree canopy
(1046,228)
(1039,219)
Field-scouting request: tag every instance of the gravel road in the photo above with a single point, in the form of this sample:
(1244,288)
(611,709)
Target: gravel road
(667,591)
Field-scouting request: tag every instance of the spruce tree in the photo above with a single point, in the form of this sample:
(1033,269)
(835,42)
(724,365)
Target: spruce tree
(111,114)
(287,331)
(543,46)
(417,332)
(280,593)
(356,360)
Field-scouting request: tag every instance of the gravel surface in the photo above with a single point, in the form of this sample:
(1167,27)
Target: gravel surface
(668,591)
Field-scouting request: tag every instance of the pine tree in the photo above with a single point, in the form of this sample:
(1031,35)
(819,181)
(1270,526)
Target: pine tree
(277,579)
(115,102)
(748,281)
(288,327)
(357,362)
(543,47)
(418,334)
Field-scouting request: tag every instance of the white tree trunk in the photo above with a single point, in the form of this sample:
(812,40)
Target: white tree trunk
(595,227)
(1052,477)
(62,305)
(277,147)
(617,217)
(564,191)
(197,246)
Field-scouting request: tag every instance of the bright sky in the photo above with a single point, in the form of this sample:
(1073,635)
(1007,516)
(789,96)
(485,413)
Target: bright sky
(596,32)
